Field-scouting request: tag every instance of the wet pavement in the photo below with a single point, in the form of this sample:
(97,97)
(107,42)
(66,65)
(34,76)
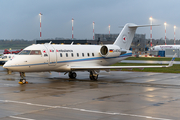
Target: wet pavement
(116,95)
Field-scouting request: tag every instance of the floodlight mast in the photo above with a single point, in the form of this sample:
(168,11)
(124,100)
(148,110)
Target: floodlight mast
(72,28)
(93,30)
(151,30)
(174,35)
(165,31)
(109,29)
(40,14)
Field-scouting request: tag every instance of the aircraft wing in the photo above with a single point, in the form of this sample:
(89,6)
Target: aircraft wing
(111,67)
(120,67)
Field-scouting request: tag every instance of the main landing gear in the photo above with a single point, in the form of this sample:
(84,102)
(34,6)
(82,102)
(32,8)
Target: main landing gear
(93,75)
(72,75)
(22,80)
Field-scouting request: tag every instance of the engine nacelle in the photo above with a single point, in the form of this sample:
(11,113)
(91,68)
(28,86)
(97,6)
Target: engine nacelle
(110,51)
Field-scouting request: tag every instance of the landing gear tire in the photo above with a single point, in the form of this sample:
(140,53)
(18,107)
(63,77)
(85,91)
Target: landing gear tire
(72,75)
(22,80)
(93,76)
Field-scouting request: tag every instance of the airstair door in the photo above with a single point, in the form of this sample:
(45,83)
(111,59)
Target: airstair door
(52,55)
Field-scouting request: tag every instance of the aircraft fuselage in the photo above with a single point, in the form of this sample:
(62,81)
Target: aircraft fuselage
(47,57)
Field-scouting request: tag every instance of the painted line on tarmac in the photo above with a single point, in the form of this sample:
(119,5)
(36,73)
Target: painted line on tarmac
(21,118)
(82,110)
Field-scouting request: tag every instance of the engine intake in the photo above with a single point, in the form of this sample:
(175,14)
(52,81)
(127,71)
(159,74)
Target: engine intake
(110,51)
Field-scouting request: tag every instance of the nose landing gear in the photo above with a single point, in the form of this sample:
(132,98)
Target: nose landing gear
(22,80)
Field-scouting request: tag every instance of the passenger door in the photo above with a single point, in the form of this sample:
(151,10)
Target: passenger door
(52,55)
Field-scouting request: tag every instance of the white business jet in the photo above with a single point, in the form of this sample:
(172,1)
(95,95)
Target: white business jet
(71,58)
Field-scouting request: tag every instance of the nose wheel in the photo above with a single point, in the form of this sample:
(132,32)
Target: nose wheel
(22,80)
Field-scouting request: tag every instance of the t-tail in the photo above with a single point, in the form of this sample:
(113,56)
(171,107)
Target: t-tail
(126,36)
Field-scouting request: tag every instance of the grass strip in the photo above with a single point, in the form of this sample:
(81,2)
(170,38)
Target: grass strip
(174,69)
(153,58)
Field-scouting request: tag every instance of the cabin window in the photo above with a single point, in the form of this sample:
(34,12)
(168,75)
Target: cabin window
(92,54)
(66,54)
(35,52)
(72,54)
(88,54)
(25,52)
(83,54)
(60,54)
(77,54)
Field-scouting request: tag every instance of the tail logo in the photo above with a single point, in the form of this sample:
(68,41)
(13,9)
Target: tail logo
(124,38)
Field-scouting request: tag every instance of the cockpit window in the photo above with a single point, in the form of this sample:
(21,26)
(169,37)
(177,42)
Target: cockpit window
(4,57)
(30,52)
(35,52)
(25,52)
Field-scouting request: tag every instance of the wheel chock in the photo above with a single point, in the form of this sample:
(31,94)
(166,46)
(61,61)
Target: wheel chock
(20,83)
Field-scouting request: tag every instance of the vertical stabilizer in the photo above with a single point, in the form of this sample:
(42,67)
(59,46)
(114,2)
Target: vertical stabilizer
(126,36)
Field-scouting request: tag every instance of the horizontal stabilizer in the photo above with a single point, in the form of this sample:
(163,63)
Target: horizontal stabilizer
(135,26)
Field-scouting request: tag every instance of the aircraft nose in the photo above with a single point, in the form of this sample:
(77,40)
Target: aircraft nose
(7,65)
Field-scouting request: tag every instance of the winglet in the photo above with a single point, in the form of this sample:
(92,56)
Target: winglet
(172,61)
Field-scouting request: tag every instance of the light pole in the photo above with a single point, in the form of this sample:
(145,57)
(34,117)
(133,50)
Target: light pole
(72,29)
(165,31)
(40,14)
(174,35)
(151,30)
(93,30)
(109,29)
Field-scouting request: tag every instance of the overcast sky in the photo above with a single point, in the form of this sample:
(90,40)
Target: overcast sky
(20,18)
